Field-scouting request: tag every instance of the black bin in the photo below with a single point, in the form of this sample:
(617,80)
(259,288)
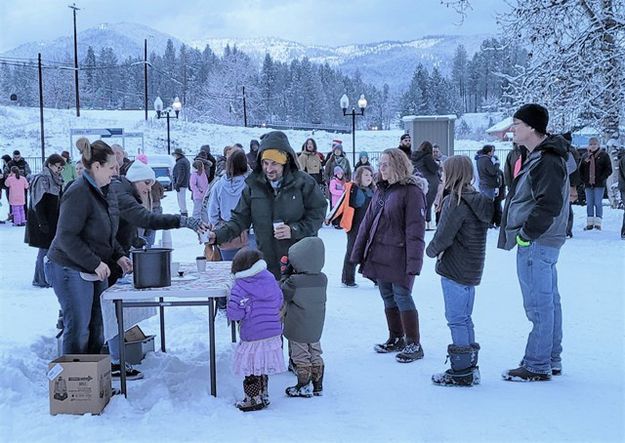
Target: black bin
(151,268)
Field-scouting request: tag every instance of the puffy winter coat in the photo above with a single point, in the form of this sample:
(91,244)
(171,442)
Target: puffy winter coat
(198,184)
(341,161)
(390,239)
(535,206)
(460,238)
(298,202)
(181,173)
(255,300)
(44,215)
(603,168)
(487,171)
(17,190)
(305,292)
(87,226)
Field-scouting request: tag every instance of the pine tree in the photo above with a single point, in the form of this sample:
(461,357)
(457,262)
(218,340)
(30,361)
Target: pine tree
(459,76)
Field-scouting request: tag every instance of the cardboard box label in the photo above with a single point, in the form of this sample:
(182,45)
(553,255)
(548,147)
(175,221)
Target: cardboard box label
(55,371)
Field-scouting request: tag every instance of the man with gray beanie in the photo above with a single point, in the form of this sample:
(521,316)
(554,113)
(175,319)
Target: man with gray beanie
(534,220)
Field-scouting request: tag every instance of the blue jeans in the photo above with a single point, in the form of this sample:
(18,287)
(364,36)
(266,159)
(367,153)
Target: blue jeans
(80,302)
(538,278)
(459,300)
(396,296)
(594,200)
(39,278)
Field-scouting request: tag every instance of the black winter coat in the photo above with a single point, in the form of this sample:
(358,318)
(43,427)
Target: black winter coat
(461,237)
(488,172)
(181,173)
(22,165)
(42,221)
(134,215)
(603,168)
(87,227)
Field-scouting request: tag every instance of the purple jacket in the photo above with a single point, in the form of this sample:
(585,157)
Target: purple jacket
(390,243)
(256,300)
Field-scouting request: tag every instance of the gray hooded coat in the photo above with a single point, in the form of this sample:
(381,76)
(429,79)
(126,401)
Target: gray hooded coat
(305,292)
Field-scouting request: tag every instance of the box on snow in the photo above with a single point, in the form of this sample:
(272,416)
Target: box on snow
(79,383)
(137,345)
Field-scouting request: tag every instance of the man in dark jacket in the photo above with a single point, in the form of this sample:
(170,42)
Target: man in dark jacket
(488,171)
(405,144)
(251,156)
(181,175)
(594,169)
(534,220)
(283,203)
(21,164)
(304,287)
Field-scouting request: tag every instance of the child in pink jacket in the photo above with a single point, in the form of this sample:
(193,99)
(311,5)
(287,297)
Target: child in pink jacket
(337,185)
(198,184)
(17,185)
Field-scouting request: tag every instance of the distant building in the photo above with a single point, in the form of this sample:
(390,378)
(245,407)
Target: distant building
(501,130)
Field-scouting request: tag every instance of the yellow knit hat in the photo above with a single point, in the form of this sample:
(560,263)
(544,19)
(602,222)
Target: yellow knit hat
(275,155)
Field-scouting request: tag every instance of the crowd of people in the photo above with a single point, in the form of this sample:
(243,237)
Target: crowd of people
(263,210)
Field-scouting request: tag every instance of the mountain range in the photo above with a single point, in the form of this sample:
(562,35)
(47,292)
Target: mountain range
(391,62)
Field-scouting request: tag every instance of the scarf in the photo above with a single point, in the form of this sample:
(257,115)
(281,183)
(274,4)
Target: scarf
(45,183)
(592,169)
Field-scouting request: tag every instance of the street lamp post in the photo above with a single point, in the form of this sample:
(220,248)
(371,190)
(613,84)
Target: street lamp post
(362,104)
(176,106)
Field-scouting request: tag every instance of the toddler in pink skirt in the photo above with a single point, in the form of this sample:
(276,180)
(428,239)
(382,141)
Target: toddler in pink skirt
(255,301)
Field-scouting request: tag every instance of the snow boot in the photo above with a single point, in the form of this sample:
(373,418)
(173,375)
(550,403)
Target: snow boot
(522,374)
(590,224)
(303,387)
(598,223)
(264,389)
(252,388)
(464,367)
(556,368)
(413,350)
(395,342)
(317,379)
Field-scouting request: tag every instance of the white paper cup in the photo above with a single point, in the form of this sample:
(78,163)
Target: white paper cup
(201,264)
(204,237)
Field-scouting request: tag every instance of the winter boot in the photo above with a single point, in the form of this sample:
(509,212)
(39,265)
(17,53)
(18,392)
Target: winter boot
(522,374)
(590,224)
(463,367)
(264,389)
(413,350)
(395,342)
(303,387)
(556,368)
(317,379)
(252,389)
(476,369)
(598,223)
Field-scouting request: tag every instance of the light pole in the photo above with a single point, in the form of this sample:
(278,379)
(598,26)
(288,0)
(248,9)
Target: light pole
(362,104)
(75,8)
(176,106)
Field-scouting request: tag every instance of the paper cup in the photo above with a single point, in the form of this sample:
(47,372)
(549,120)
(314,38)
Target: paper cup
(201,264)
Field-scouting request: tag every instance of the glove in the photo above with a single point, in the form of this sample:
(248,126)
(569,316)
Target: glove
(190,222)
(285,267)
(521,242)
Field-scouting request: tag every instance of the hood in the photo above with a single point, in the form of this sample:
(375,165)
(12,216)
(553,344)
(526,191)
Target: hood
(276,140)
(555,144)
(307,256)
(257,277)
(479,204)
(417,180)
(233,186)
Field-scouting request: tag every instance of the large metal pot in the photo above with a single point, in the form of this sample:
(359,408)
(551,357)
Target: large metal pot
(151,267)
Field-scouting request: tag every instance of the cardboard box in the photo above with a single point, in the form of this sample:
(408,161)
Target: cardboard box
(137,345)
(134,334)
(79,384)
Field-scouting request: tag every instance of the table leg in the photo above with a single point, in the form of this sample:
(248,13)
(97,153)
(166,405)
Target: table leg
(211,338)
(162,319)
(119,309)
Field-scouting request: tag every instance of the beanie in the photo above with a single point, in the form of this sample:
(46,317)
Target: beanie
(275,155)
(404,136)
(364,154)
(276,140)
(338,169)
(534,116)
(139,171)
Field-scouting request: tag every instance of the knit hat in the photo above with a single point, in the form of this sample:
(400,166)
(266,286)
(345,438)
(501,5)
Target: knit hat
(534,116)
(275,155)
(139,171)
(276,140)
(16,152)
(404,136)
(338,169)
(337,146)
(364,154)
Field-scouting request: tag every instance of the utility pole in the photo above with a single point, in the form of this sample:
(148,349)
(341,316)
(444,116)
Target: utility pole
(73,6)
(244,109)
(145,76)
(43,145)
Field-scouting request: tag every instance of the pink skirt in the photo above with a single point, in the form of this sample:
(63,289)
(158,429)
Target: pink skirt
(260,357)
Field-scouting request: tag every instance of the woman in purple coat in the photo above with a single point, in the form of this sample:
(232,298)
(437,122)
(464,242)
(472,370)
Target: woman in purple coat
(390,246)
(255,301)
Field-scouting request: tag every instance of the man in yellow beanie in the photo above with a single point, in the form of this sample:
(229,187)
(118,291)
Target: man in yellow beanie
(281,203)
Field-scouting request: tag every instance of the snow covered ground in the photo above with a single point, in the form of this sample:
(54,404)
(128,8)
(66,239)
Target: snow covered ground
(368,397)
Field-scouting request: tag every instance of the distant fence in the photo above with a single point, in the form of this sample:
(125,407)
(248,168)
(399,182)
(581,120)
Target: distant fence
(35,163)
(302,126)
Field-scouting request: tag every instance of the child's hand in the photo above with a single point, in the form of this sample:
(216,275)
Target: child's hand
(285,267)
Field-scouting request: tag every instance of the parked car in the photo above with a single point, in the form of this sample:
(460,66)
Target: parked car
(163,166)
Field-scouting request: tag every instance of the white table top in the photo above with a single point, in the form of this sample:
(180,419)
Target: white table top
(215,282)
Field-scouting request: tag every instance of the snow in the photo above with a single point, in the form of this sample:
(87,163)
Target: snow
(504,124)
(367,397)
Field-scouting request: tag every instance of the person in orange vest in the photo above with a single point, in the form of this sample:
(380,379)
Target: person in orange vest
(350,213)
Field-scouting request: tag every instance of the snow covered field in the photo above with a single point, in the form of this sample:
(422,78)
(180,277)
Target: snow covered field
(368,397)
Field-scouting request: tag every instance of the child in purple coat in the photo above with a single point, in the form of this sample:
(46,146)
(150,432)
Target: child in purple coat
(255,300)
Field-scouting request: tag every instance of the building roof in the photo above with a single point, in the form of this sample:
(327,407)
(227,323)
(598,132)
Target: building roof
(503,125)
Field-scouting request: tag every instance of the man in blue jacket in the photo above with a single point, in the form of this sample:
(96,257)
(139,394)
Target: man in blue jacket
(534,220)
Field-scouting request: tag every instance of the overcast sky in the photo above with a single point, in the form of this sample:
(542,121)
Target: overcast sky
(325,22)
